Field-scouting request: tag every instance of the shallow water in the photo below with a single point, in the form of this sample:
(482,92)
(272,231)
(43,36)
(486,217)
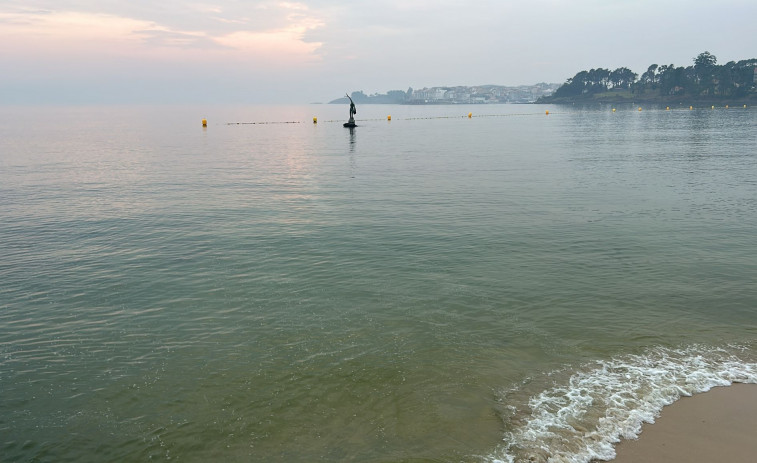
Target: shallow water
(510,286)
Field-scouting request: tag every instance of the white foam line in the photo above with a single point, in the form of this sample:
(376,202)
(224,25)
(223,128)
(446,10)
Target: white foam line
(581,420)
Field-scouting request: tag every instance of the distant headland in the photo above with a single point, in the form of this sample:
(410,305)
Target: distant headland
(481,94)
(703,82)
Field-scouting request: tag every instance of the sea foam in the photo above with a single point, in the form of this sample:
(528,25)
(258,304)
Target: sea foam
(579,419)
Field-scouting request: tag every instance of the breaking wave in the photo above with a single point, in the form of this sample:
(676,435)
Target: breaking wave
(578,419)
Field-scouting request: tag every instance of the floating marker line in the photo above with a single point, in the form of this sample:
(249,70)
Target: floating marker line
(260,123)
(464,116)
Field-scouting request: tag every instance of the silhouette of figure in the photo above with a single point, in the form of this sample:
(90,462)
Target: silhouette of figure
(353,111)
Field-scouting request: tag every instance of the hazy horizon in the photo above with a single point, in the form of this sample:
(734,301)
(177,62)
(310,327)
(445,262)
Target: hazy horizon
(100,52)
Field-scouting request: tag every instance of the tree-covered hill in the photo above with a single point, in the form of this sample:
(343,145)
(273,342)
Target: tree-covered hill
(704,80)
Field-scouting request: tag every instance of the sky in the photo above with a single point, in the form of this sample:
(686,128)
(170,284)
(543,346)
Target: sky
(240,51)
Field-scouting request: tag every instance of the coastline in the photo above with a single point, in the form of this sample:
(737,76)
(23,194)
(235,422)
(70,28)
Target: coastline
(677,100)
(717,425)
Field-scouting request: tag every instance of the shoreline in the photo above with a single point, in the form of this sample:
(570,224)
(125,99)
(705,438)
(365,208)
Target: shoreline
(734,102)
(718,425)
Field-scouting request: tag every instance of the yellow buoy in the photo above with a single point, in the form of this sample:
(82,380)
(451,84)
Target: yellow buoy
(613,109)
(546,112)
(726,106)
(204,122)
(667,108)
(315,120)
(691,107)
(713,107)
(470,115)
(389,117)
(639,108)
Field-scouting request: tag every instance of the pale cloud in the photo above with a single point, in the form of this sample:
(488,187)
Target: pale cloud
(283,46)
(158,38)
(231,21)
(46,32)
(292,5)
(30,28)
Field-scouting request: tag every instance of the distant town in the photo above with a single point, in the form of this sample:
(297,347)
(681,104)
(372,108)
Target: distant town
(480,94)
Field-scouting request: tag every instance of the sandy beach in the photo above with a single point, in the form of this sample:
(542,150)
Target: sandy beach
(719,425)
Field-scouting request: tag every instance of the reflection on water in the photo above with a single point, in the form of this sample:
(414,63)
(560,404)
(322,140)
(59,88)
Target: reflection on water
(352,138)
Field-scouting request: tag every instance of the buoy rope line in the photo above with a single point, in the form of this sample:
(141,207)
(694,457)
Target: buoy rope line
(262,123)
(465,116)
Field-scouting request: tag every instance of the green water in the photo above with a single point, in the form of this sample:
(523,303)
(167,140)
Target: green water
(432,288)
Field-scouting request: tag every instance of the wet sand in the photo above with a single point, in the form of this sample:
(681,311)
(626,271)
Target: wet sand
(719,425)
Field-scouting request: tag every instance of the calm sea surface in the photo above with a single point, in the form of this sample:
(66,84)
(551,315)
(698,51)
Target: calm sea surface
(513,286)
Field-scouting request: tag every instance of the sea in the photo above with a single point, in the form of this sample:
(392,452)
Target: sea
(484,283)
